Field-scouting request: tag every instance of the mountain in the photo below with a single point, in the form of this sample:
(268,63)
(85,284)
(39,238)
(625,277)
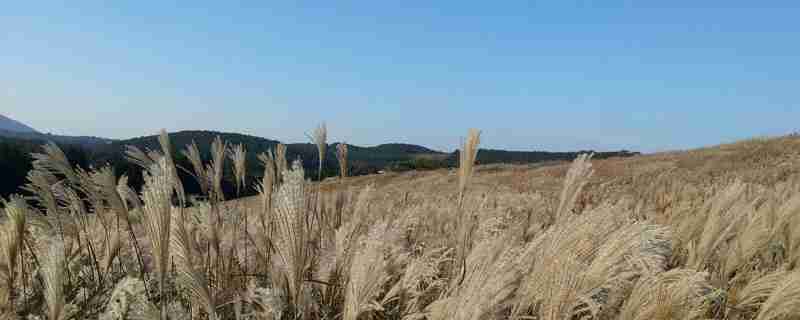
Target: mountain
(11,128)
(11,125)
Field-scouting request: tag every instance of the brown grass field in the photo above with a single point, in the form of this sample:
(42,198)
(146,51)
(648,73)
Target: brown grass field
(702,234)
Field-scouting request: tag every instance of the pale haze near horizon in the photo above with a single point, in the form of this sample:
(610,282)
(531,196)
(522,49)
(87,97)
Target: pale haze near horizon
(531,77)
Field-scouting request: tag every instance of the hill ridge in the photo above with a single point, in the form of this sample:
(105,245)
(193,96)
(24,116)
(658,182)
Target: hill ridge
(9,124)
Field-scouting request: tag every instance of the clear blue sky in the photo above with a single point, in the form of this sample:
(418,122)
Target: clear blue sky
(531,75)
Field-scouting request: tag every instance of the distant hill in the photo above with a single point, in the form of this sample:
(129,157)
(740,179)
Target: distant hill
(15,148)
(486,156)
(14,129)
(8,124)
(16,160)
(402,148)
(363,160)
(83,141)
(181,139)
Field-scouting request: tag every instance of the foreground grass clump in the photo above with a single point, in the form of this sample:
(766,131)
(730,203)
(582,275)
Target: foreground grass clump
(705,234)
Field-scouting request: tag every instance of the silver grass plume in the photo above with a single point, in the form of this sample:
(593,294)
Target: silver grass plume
(269,180)
(189,277)
(238,156)
(368,274)
(265,189)
(348,234)
(157,195)
(127,194)
(320,138)
(40,183)
(555,280)
(112,248)
(106,183)
(53,266)
(192,153)
(217,168)
(464,223)
(780,292)
(724,211)
(466,161)
(166,149)
(759,290)
(492,273)
(577,176)
(11,239)
(341,156)
(280,160)
(293,232)
(141,158)
(54,160)
(675,294)
(422,277)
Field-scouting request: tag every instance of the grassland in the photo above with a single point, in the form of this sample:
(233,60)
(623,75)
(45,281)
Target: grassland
(701,234)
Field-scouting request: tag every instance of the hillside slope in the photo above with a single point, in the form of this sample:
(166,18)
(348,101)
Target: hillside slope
(763,161)
(12,125)
(83,141)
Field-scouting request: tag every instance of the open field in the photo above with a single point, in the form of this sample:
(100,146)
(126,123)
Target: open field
(703,234)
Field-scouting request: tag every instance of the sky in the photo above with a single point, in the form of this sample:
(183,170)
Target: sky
(550,75)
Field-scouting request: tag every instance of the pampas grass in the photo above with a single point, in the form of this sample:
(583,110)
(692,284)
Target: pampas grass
(319,137)
(157,214)
(341,156)
(577,177)
(758,290)
(695,235)
(294,223)
(280,160)
(53,260)
(368,274)
(11,238)
(192,152)
(421,281)
(186,264)
(492,272)
(265,189)
(54,160)
(348,234)
(784,299)
(675,294)
(238,156)
(216,169)
(466,162)
(464,223)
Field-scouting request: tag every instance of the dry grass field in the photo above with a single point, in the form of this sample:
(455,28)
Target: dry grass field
(702,234)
